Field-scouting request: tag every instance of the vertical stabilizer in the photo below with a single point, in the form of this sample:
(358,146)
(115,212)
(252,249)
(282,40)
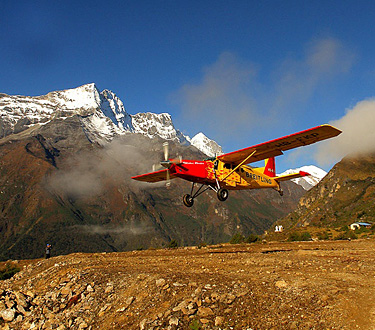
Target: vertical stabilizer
(269,168)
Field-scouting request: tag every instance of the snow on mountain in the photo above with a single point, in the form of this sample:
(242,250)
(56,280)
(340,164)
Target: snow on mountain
(206,145)
(17,113)
(152,124)
(307,182)
(102,115)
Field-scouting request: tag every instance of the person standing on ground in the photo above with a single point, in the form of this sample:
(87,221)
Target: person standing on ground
(48,251)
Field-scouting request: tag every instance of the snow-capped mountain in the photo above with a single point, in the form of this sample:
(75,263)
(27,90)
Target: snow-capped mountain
(102,115)
(206,145)
(307,182)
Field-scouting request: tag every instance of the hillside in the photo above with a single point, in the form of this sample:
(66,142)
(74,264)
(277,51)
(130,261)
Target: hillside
(59,186)
(344,196)
(305,285)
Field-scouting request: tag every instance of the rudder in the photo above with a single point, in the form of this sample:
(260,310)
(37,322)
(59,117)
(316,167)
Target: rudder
(270,168)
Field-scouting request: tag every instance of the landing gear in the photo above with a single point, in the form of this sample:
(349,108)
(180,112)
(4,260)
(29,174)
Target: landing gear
(188,200)
(222,194)
(281,192)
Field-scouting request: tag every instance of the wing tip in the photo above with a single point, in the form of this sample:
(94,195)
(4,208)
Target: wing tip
(333,128)
(303,173)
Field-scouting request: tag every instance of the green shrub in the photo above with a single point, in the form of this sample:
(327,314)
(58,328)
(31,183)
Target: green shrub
(201,245)
(252,238)
(305,236)
(237,239)
(173,244)
(347,235)
(295,236)
(8,271)
(323,236)
(195,325)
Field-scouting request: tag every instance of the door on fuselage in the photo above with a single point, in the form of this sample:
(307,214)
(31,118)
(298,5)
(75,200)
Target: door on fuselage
(223,169)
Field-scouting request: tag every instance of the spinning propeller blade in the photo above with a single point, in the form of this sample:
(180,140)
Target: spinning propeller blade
(166,151)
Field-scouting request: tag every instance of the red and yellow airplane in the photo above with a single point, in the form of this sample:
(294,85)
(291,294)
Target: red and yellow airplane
(230,172)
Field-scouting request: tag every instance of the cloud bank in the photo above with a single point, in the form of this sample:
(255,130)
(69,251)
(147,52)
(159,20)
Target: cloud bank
(222,100)
(89,172)
(358,136)
(237,97)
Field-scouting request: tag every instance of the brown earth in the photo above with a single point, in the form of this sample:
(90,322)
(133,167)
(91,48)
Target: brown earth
(299,285)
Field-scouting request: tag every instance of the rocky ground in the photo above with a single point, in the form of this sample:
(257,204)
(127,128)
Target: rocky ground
(300,285)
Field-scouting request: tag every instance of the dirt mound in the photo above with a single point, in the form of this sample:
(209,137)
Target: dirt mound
(309,285)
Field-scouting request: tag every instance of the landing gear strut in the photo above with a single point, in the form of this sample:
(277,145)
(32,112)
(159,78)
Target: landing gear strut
(188,199)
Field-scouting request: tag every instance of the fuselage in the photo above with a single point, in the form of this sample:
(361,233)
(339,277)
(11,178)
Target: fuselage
(230,177)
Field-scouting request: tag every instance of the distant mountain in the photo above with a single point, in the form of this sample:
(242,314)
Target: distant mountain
(206,145)
(345,195)
(103,116)
(66,160)
(307,182)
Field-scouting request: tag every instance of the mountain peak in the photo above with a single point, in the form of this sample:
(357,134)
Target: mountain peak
(102,115)
(307,182)
(206,145)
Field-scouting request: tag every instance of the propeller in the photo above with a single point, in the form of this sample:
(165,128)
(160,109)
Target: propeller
(167,163)
(166,151)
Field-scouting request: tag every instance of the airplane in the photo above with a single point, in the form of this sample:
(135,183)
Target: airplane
(231,172)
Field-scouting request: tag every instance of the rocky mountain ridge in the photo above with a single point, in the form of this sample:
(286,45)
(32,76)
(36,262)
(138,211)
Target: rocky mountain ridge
(104,116)
(345,195)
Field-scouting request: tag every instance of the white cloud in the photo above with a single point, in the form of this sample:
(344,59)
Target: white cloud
(358,136)
(230,99)
(222,100)
(297,80)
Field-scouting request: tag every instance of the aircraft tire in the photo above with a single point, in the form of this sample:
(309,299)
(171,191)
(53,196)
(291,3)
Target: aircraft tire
(222,194)
(188,200)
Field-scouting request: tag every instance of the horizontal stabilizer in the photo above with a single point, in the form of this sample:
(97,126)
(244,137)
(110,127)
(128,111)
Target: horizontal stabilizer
(286,177)
(154,176)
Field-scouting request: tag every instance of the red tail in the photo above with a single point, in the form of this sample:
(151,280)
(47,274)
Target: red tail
(269,168)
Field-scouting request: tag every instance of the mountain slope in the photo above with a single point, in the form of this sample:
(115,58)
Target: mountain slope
(345,195)
(60,188)
(66,160)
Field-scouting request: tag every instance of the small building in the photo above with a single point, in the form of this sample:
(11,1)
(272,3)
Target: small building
(357,225)
(279,229)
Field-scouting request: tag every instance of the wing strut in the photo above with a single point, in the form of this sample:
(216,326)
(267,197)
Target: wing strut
(243,162)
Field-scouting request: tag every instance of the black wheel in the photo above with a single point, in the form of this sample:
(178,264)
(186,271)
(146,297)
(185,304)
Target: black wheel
(222,194)
(281,192)
(188,200)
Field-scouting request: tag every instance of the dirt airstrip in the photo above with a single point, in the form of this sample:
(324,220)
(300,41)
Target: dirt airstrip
(299,285)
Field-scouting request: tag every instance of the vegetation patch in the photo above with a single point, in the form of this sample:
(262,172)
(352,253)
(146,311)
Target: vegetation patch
(8,271)
(299,236)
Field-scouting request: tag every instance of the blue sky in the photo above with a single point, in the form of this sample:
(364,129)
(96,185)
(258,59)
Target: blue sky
(242,72)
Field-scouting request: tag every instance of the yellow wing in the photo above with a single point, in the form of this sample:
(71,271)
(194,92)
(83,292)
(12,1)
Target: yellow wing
(276,147)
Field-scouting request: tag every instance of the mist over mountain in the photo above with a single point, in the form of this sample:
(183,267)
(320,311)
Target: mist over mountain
(66,159)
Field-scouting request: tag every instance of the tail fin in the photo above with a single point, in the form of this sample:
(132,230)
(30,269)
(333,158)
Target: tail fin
(270,168)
